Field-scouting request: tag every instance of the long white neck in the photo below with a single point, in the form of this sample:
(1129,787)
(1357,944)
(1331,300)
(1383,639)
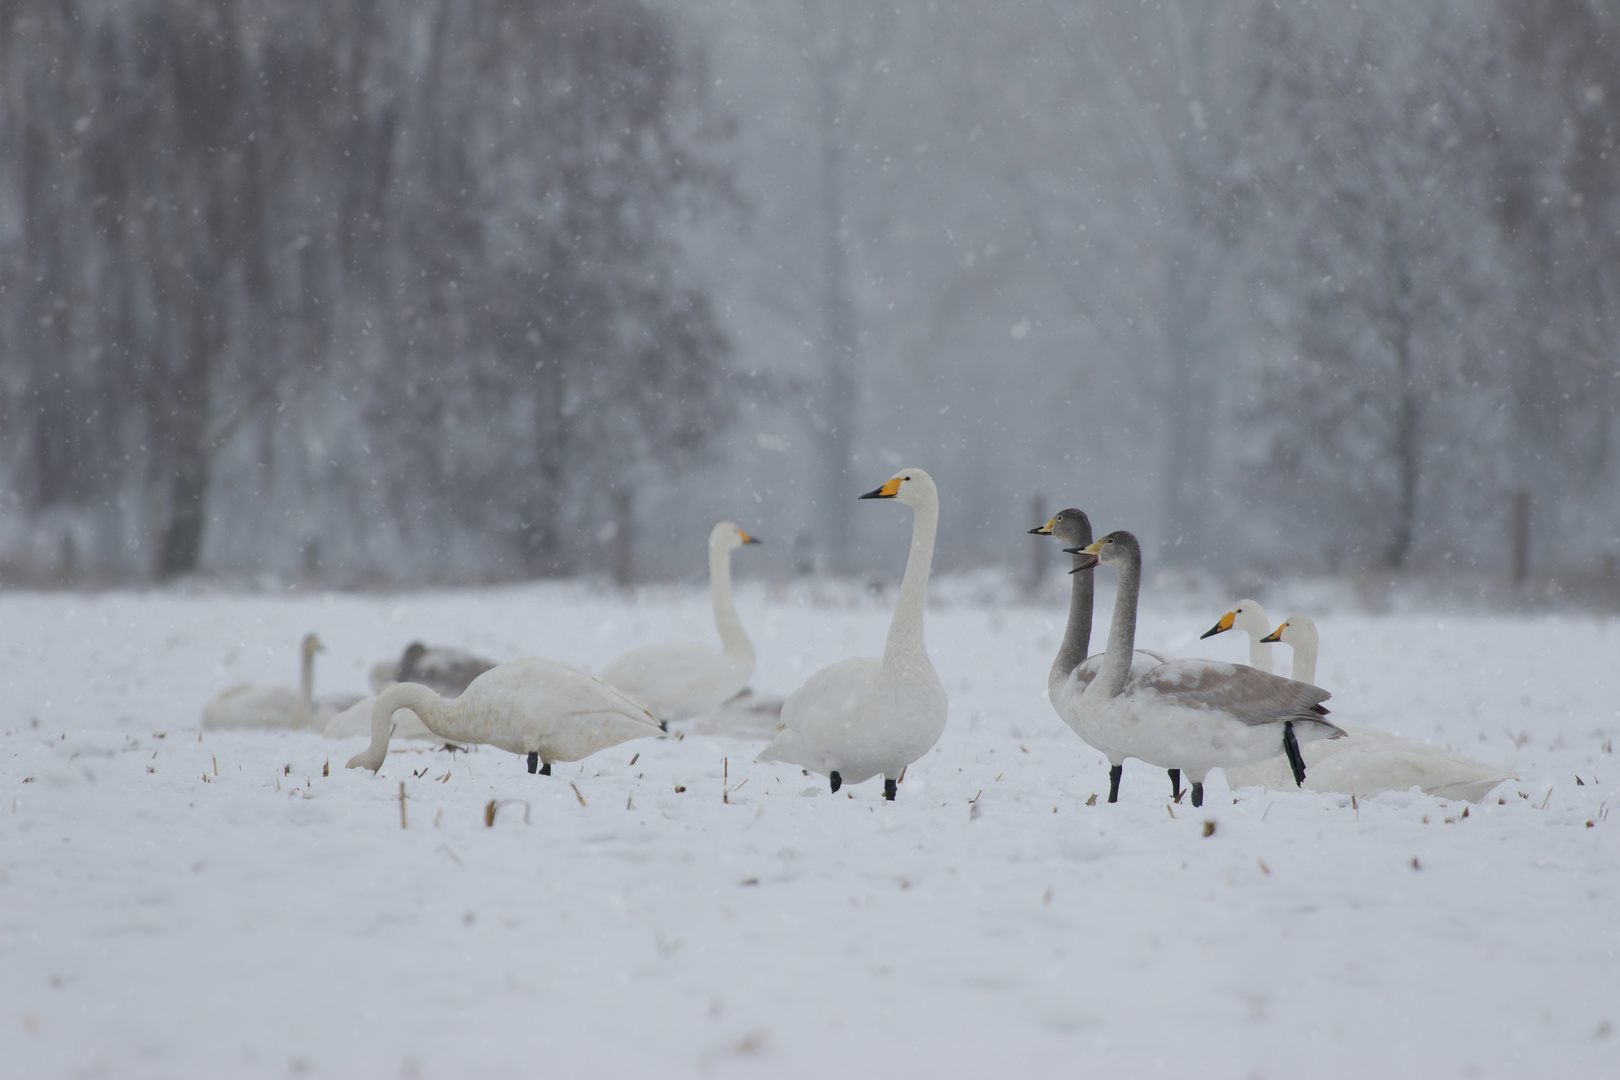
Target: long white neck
(906,629)
(1303,639)
(438,715)
(1116,665)
(732,634)
(306,689)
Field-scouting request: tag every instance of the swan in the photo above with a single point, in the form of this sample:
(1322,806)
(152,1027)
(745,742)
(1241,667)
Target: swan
(678,679)
(1073,671)
(356,720)
(540,708)
(1197,715)
(250,706)
(863,716)
(1370,760)
(1250,617)
(445,670)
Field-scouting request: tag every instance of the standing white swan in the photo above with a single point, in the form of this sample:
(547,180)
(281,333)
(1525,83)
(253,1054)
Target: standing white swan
(1073,670)
(864,716)
(539,708)
(1370,760)
(1195,715)
(1249,617)
(678,679)
(250,706)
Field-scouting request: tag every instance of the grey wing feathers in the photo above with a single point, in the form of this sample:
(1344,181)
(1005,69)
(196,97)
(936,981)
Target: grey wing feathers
(1246,694)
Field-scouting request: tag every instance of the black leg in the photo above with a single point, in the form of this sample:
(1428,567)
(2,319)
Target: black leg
(888,789)
(1114,773)
(545,770)
(1175,783)
(837,781)
(1198,794)
(1291,748)
(534,762)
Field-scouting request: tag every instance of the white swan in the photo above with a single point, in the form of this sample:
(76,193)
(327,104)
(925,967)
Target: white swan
(864,716)
(250,706)
(1370,760)
(1073,670)
(678,679)
(1195,715)
(445,671)
(1250,617)
(539,708)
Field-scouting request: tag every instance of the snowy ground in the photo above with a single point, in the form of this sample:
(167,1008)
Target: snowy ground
(180,906)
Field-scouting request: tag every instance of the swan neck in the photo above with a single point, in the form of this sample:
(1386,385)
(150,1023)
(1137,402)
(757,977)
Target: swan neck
(732,635)
(1116,665)
(1259,653)
(1077,635)
(427,705)
(306,687)
(906,629)
(1305,658)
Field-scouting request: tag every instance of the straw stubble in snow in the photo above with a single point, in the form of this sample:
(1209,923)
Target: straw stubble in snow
(160,918)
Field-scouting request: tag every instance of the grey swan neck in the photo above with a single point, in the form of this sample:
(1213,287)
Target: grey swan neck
(906,629)
(1077,634)
(732,635)
(1116,665)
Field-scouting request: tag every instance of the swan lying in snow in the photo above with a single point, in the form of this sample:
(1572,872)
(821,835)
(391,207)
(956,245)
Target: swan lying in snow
(542,709)
(678,679)
(1073,670)
(1195,715)
(445,671)
(1370,760)
(865,716)
(251,706)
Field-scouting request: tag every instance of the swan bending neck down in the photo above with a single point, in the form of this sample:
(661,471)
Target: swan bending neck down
(539,708)
(1197,715)
(1073,670)
(1370,760)
(864,716)
(1249,617)
(680,679)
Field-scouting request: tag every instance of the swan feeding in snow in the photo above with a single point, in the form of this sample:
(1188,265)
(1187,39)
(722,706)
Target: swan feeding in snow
(1249,617)
(860,717)
(1073,670)
(250,706)
(679,679)
(445,671)
(1195,715)
(541,709)
(1370,760)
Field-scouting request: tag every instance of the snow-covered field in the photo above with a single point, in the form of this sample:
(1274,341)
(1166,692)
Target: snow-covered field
(175,905)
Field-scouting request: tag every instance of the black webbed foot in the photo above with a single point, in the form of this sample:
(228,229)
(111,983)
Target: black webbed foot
(1291,748)
(1175,784)
(837,781)
(1114,773)
(545,770)
(1198,794)
(534,762)
(888,789)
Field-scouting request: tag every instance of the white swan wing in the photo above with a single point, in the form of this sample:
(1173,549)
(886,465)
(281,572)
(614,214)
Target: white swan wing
(826,707)
(678,679)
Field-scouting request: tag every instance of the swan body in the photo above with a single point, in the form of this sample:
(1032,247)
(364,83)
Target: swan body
(866,716)
(678,679)
(251,706)
(446,671)
(1370,760)
(746,715)
(356,720)
(541,708)
(1195,715)
(1073,671)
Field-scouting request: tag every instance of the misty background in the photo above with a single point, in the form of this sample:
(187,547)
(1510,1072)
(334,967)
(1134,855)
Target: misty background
(387,293)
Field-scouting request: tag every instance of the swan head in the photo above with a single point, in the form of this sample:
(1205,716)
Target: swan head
(1118,549)
(1295,630)
(727,536)
(910,486)
(408,660)
(1245,615)
(1070,526)
(311,645)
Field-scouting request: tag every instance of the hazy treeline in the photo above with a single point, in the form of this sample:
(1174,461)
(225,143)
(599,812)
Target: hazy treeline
(437,285)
